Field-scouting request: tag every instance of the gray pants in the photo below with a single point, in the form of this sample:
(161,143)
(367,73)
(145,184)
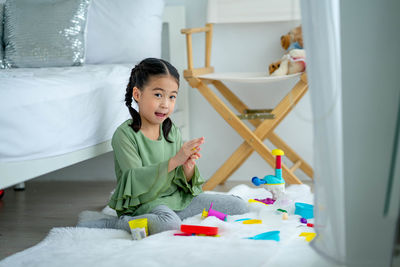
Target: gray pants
(162,218)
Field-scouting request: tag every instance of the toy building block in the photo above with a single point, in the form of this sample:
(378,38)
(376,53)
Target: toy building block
(274,183)
(271,235)
(309,236)
(305,210)
(241,220)
(199,230)
(215,213)
(253,221)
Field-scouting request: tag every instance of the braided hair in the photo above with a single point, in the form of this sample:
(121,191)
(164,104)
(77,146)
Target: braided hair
(140,75)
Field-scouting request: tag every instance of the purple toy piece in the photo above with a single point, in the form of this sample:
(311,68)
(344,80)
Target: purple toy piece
(303,220)
(267,200)
(219,215)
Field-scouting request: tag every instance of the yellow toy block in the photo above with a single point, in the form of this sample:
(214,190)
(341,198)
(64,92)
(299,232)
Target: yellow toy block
(308,236)
(253,221)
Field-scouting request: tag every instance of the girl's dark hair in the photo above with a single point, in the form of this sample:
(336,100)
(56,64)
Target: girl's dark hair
(140,76)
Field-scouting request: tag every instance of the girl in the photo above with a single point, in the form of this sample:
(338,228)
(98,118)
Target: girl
(157,177)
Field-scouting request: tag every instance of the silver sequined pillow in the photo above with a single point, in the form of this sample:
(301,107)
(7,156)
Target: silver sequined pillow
(1,35)
(44,33)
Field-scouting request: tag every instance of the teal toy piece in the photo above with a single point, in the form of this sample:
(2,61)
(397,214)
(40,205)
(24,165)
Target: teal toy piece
(244,219)
(269,179)
(276,179)
(257,181)
(271,235)
(304,210)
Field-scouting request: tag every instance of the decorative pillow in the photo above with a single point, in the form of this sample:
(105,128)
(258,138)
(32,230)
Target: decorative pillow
(123,31)
(1,36)
(44,33)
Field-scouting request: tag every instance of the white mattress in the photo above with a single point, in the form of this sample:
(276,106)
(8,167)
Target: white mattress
(51,111)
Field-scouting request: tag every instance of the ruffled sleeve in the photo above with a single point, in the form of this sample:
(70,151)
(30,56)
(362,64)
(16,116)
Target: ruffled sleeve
(136,184)
(194,186)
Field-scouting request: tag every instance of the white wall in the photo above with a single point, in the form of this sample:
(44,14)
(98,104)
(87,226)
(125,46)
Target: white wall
(236,47)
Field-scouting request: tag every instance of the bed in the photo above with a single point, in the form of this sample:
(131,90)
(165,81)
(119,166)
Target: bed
(53,117)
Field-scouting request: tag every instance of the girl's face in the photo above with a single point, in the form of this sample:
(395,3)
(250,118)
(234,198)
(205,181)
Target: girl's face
(157,100)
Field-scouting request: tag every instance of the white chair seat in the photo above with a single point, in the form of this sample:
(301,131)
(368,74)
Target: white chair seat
(247,77)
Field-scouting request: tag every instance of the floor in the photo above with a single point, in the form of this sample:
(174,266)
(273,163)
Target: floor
(27,216)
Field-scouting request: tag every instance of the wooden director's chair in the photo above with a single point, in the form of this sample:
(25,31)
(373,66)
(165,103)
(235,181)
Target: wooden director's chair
(265,121)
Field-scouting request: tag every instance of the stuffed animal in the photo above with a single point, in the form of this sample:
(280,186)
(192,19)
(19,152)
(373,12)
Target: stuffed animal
(293,39)
(290,63)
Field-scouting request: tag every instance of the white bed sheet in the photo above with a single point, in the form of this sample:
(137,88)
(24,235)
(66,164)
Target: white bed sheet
(46,112)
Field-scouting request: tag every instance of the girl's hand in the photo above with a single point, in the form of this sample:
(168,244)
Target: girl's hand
(187,150)
(188,166)
(191,162)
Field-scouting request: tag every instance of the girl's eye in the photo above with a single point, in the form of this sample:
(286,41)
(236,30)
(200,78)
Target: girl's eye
(172,96)
(157,95)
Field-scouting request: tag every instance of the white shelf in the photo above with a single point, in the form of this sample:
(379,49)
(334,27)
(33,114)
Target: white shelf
(239,11)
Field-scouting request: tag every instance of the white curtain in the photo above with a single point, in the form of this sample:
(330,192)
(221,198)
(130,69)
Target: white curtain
(321,33)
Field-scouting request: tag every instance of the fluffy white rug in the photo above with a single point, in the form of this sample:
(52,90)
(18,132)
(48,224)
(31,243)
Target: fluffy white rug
(106,247)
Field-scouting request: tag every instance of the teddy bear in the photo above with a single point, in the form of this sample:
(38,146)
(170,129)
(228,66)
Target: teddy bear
(292,62)
(293,39)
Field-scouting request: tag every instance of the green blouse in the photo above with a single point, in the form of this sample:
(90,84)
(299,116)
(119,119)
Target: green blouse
(141,167)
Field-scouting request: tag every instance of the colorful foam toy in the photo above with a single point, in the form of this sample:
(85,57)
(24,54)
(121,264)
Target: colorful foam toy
(309,236)
(241,220)
(305,210)
(267,200)
(271,235)
(198,230)
(274,183)
(303,220)
(253,221)
(215,213)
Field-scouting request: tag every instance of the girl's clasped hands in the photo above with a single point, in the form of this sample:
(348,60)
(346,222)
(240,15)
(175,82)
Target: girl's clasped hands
(191,151)
(187,156)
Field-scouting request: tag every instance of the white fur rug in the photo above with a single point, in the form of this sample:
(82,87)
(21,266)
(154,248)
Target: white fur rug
(107,247)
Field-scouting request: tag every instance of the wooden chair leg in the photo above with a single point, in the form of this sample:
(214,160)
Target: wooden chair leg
(229,167)
(244,151)
(291,154)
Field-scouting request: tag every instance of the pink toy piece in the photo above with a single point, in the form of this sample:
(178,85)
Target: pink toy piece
(267,200)
(215,213)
